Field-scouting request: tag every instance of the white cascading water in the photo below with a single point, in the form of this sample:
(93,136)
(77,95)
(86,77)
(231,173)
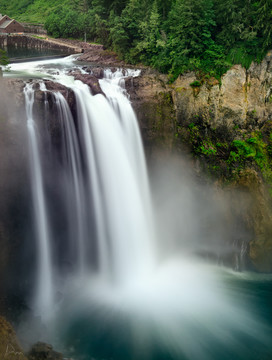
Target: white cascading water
(117,183)
(182,305)
(113,85)
(76,191)
(44,286)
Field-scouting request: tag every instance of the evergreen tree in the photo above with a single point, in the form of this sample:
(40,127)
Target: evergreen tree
(115,5)
(164,7)
(52,23)
(190,33)
(150,35)
(119,38)
(82,7)
(235,22)
(264,23)
(127,28)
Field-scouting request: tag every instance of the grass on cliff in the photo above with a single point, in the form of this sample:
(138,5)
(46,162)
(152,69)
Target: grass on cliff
(226,152)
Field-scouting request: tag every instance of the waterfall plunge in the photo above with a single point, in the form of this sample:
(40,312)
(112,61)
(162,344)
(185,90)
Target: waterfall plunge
(44,293)
(144,308)
(112,182)
(115,162)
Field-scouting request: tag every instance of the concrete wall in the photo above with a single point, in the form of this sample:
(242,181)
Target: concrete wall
(31,42)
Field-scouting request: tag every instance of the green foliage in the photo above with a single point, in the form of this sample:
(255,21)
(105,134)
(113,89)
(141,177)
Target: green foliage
(151,41)
(264,22)
(35,11)
(244,148)
(246,52)
(195,84)
(225,158)
(4,60)
(252,151)
(207,148)
(173,36)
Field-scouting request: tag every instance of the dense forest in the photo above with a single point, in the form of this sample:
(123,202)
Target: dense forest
(206,36)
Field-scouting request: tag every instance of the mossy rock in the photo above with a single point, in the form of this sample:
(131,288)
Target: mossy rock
(9,346)
(258,216)
(43,351)
(260,252)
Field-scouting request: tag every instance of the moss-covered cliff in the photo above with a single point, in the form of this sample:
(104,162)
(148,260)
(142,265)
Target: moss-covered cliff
(227,127)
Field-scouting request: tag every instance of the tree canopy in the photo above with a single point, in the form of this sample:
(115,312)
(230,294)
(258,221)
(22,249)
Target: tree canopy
(174,36)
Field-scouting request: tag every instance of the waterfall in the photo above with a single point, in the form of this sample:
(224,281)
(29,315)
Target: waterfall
(104,187)
(108,286)
(76,191)
(44,286)
(124,227)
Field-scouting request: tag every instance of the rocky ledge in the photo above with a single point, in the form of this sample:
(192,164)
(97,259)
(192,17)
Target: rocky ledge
(10,348)
(43,351)
(89,79)
(98,55)
(226,126)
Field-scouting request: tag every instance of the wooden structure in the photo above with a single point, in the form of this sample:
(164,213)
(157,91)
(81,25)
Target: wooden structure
(8,25)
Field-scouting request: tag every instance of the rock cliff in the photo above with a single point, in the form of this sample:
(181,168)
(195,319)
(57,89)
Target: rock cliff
(242,98)
(226,125)
(9,346)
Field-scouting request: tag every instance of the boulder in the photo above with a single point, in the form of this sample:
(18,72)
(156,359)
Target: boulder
(66,92)
(91,81)
(10,348)
(43,351)
(98,72)
(96,54)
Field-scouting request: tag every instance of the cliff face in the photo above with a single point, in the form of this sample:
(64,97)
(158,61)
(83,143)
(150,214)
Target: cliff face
(9,346)
(227,127)
(152,101)
(244,97)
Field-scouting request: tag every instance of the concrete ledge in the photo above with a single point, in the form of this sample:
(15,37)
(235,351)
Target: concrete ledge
(23,40)
(37,58)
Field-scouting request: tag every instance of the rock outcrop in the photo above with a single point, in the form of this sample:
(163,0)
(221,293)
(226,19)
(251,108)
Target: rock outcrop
(43,351)
(237,110)
(9,346)
(243,97)
(98,72)
(152,101)
(97,55)
(91,81)
(257,216)
(206,117)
